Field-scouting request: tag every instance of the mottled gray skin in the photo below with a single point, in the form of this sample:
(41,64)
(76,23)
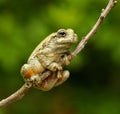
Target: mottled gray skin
(45,65)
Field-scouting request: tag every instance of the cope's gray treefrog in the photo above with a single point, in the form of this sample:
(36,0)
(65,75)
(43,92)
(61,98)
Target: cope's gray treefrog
(44,67)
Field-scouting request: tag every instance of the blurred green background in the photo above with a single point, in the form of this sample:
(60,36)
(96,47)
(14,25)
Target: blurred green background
(94,84)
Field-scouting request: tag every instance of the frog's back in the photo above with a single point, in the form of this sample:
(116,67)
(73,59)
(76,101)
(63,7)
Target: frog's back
(40,45)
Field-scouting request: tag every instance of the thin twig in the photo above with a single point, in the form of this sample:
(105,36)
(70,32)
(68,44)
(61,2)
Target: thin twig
(92,32)
(16,96)
(22,91)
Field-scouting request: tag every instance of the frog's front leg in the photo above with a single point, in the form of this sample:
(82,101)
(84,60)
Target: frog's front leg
(66,59)
(48,63)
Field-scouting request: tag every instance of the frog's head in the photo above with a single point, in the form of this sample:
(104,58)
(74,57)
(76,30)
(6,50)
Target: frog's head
(66,36)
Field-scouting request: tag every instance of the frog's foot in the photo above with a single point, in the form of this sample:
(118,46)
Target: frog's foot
(54,67)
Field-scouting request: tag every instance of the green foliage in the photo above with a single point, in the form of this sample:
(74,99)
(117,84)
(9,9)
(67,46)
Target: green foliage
(93,87)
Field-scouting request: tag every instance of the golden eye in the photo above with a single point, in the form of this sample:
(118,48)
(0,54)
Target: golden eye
(61,33)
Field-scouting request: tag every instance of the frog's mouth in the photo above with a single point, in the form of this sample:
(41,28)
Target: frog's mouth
(75,38)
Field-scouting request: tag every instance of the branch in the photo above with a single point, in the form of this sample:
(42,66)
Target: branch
(22,91)
(16,96)
(92,32)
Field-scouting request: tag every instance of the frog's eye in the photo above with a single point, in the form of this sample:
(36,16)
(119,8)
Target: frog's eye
(61,33)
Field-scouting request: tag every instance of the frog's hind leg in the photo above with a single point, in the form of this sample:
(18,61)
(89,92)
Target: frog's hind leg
(49,82)
(62,77)
(37,79)
(49,79)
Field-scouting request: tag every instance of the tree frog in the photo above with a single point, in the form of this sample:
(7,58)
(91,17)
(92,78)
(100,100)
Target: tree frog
(44,67)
